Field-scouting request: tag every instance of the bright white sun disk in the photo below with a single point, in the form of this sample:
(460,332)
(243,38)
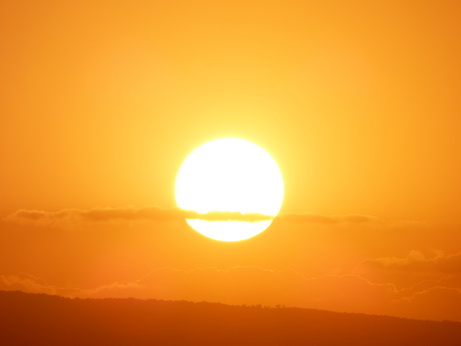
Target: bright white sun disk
(229,175)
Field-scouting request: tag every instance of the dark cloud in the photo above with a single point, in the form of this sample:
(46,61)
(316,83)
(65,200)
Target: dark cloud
(324,219)
(128,214)
(163,215)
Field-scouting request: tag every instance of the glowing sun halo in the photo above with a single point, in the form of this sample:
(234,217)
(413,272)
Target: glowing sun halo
(230,175)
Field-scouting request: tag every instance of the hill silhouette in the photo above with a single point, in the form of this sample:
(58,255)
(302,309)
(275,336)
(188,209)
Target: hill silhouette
(37,319)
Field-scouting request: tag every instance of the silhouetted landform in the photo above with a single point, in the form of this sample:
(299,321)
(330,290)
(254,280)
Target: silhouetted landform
(36,319)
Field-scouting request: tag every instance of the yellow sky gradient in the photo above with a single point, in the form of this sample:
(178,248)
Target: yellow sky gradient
(357,101)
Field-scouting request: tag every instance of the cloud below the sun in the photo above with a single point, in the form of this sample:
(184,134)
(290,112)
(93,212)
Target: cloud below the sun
(416,262)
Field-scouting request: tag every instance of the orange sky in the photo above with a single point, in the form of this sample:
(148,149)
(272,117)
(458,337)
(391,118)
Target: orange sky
(356,100)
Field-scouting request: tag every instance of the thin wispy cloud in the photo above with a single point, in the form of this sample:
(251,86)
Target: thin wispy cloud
(171,215)
(329,220)
(129,214)
(417,262)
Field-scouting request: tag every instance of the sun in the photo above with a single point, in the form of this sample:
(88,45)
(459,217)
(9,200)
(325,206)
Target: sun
(233,176)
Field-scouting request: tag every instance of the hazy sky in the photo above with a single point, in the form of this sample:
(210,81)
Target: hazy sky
(357,101)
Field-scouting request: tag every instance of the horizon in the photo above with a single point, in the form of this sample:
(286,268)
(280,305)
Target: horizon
(134,321)
(251,306)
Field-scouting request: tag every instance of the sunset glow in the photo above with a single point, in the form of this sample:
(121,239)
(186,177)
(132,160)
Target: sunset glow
(289,153)
(229,175)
